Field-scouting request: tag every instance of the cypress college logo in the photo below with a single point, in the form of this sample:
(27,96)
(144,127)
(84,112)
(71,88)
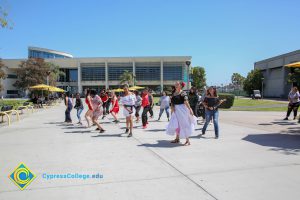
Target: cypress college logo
(22,176)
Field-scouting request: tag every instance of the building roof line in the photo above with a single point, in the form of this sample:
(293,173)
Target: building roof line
(279,56)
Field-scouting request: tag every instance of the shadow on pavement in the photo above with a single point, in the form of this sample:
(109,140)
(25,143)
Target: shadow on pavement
(87,131)
(54,123)
(155,130)
(107,135)
(161,144)
(286,143)
(285,123)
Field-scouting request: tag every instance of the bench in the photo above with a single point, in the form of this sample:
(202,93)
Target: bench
(26,105)
(7,111)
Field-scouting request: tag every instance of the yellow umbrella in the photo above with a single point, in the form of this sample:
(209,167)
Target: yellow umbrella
(136,88)
(40,87)
(118,90)
(295,64)
(55,89)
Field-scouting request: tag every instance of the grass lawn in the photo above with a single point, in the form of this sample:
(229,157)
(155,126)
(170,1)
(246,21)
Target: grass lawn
(251,102)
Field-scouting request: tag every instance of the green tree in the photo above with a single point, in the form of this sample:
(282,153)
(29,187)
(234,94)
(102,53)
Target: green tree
(2,74)
(4,21)
(127,77)
(237,80)
(253,81)
(294,76)
(55,73)
(198,77)
(31,72)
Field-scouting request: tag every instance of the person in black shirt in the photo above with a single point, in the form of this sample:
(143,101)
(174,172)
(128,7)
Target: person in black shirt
(182,121)
(79,107)
(211,103)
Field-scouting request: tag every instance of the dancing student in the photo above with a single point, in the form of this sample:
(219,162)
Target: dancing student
(128,101)
(79,107)
(89,113)
(211,103)
(151,102)
(114,107)
(97,110)
(294,103)
(137,105)
(182,121)
(104,99)
(164,103)
(193,99)
(69,106)
(108,102)
(146,107)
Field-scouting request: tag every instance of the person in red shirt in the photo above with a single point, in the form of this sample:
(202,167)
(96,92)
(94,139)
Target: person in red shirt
(146,107)
(115,107)
(104,99)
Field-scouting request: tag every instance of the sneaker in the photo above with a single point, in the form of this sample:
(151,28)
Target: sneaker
(117,121)
(295,118)
(127,130)
(217,137)
(168,119)
(286,118)
(144,127)
(103,117)
(114,120)
(97,129)
(102,131)
(129,135)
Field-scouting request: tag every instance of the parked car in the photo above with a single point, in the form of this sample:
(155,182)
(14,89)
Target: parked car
(256,94)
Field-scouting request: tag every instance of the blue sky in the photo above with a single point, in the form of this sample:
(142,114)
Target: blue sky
(222,36)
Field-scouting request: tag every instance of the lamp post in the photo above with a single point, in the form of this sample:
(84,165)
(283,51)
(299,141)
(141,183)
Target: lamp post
(48,74)
(188,63)
(262,87)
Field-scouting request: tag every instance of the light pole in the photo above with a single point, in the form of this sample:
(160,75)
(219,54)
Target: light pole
(188,63)
(262,87)
(48,73)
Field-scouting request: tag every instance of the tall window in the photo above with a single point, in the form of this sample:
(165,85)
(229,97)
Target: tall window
(115,70)
(93,73)
(147,71)
(173,71)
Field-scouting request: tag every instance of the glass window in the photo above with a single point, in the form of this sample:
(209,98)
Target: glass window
(173,71)
(73,75)
(147,71)
(12,76)
(93,73)
(115,70)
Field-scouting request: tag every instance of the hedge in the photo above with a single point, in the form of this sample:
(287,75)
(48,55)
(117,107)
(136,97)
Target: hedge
(14,103)
(230,100)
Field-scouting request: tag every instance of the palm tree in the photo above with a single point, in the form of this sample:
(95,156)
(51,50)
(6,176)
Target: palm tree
(126,77)
(55,73)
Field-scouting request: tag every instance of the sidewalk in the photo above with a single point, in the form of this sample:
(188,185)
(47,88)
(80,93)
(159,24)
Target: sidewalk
(247,162)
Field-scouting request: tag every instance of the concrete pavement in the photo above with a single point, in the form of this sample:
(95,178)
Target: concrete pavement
(249,161)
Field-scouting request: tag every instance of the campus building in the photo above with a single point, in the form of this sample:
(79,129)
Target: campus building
(104,72)
(276,74)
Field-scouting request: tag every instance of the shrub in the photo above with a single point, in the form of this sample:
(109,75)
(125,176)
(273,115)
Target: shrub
(229,100)
(14,103)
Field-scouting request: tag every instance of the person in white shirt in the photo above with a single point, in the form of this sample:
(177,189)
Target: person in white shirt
(294,103)
(128,102)
(164,103)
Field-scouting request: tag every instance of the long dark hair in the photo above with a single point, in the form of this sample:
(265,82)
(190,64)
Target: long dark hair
(215,93)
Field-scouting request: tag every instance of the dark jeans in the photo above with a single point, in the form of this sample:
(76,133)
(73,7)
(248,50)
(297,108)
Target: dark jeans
(107,107)
(137,110)
(193,107)
(162,110)
(211,114)
(151,111)
(104,108)
(68,114)
(144,115)
(292,107)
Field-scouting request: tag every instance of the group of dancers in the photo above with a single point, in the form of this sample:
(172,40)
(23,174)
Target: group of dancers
(181,121)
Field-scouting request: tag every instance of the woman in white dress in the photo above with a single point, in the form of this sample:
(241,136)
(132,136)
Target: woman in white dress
(183,121)
(128,102)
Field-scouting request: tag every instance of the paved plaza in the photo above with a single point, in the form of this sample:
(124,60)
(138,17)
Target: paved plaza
(256,157)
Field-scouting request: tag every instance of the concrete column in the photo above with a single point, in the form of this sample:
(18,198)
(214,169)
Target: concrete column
(133,72)
(106,75)
(161,75)
(79,77)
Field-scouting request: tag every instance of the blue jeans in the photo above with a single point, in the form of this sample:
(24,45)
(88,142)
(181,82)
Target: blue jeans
(79,111)
(162,110)
(68,114)
(209,115)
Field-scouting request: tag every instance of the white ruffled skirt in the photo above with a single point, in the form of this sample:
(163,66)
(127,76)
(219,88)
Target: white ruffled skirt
(181,122)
